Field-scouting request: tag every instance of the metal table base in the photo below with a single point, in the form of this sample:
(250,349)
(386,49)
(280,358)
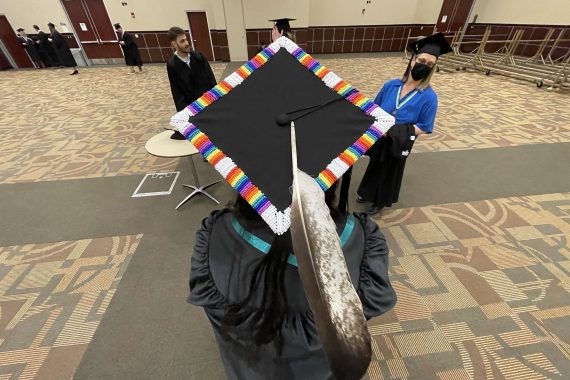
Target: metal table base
(197,189)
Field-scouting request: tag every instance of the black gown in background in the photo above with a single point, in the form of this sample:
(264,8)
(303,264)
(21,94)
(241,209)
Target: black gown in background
(130,49)
(30,47)
(64,54)
(382,179)
(189,83)
(221,270)
(47,53)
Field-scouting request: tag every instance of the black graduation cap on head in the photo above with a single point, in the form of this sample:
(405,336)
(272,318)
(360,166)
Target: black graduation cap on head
(242,127)
(435,45)
(282,24)
(117,25)
(20,30)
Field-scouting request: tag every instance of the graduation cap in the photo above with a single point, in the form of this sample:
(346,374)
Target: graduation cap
(20,30)
(282,24)
(435,45)
(241,126)
(117,25)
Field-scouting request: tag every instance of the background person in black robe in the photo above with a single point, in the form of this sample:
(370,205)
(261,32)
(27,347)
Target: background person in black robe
(62,50)
(189,73)
(30,47)
(414,104)
(130,49)
(47,54)
(383,177)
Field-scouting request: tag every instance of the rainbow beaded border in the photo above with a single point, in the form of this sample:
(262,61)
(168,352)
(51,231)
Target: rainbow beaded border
(279,221)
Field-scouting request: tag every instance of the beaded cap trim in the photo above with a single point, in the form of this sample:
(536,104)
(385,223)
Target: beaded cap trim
(280,221)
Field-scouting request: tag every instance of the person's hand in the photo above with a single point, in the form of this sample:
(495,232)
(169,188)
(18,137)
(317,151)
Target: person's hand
(50,40)
(122,42)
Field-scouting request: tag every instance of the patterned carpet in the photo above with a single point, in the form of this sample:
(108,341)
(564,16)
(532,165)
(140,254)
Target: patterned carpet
(96,124)
(55,126)
(52,298)
(483,287)
(475,111)
(483,291)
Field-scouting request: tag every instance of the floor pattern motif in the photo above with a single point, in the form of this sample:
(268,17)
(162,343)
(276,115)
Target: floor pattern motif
(483,291)
(52,298)
(97,123)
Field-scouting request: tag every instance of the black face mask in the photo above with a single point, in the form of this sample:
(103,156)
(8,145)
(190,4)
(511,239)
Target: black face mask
(420,71)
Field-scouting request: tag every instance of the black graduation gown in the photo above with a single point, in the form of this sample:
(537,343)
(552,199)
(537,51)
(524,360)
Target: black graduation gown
(189,83)
(30,47)
(382,180)
(130,49)
(64,54)
(47,53)
(221,271)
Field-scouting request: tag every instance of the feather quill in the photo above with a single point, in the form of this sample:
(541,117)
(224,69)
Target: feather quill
(336,306)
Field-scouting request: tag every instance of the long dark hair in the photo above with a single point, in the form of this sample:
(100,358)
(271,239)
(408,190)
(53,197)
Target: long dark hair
(256,320)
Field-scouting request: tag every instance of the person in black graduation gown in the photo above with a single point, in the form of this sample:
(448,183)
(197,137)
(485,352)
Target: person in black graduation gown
(62,50)
(244,271)
(281,27)
(189,72)
(413,102)
(30,47)
(227,250)
(45,48)
(130,48)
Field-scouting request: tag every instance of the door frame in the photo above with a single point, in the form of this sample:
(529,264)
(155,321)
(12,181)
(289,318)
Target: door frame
(92,21)
(6,49)
(7,54)
(190,28)
(88,60)
(72,28)
(451,18)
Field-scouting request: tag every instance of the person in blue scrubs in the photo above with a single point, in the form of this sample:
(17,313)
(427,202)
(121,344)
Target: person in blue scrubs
(412,101)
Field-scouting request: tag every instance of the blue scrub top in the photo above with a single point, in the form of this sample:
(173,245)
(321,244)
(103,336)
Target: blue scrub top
(419,108)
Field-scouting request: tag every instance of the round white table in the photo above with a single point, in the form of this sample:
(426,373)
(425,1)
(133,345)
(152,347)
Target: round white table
(161,145)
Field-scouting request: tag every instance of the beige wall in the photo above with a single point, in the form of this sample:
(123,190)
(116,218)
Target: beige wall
(341,12)
(149,14)
(161,15)
(25,13)
(235,27)
(550,12)
(384,12)
(258,12)
(427,11)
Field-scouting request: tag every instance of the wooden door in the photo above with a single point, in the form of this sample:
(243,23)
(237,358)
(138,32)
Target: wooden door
(453,15)
(200,34)
(15,49)
(4,61)
(93,28)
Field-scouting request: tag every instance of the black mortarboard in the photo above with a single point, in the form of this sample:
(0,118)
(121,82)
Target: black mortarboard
(20,30)
(117,25)
(282,24)
(236,127)
(435,45)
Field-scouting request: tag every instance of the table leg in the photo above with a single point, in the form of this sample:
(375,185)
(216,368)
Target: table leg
(197,189)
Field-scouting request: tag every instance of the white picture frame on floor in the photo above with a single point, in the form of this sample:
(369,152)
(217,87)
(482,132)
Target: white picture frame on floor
(136,193)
